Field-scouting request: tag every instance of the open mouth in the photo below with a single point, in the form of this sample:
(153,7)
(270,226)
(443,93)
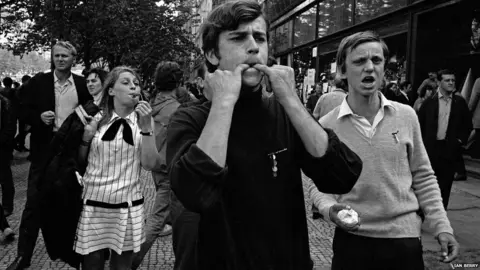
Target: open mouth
(368,80)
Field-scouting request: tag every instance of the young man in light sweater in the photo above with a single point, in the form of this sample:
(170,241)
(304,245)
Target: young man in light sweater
(397,179)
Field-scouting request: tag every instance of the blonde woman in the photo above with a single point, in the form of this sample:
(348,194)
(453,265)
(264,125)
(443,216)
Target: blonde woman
(116,144)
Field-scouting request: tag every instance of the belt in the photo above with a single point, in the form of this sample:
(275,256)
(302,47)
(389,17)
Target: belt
(114,205)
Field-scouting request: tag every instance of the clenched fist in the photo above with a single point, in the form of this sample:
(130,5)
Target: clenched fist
(144,112)
(282,80)
(224,85)
(47,117)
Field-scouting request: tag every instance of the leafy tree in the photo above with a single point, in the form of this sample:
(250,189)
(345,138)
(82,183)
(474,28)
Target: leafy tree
(139,33)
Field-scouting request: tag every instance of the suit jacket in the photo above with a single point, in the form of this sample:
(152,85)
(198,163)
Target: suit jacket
(40,97)
(459,127)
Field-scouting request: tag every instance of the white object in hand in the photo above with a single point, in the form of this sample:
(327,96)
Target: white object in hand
(348,217)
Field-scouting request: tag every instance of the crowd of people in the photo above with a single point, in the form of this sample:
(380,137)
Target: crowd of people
(227,151)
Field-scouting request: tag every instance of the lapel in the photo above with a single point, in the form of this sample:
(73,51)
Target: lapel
(50,91)
(435,113)
(77,82)
(453,114)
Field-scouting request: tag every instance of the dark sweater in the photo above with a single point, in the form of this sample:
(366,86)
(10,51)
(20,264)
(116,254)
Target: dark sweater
(250,219)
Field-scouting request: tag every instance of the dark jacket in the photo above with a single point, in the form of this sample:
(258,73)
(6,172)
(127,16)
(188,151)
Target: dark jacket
(8,127)
(61,202)
(40,97)
(459,127)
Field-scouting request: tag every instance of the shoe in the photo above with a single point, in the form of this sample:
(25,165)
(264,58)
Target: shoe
(167,230)
(460,177)
(18,264)
(7,213)
(8,234)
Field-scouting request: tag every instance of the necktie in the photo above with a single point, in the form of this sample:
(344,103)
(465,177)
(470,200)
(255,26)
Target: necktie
(113,130)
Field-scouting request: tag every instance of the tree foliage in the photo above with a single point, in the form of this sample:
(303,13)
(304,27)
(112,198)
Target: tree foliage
(138,33)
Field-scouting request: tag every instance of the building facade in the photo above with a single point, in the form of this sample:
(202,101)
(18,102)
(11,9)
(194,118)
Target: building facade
(422,35)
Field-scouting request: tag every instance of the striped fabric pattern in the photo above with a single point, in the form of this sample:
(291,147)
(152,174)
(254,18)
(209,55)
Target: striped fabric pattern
(112,176)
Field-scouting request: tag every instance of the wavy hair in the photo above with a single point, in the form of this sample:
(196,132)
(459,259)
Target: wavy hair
(106,103)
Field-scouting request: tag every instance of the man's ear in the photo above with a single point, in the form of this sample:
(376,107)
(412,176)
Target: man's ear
(212,57)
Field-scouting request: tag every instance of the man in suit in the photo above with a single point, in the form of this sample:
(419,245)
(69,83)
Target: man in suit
(446,124)
(51,98)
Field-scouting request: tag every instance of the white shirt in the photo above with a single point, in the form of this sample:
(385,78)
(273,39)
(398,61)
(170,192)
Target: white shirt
(444,106)
(114,167)
(66,99)
(361,123)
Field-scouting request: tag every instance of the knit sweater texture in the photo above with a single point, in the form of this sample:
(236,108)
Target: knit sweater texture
(397,178)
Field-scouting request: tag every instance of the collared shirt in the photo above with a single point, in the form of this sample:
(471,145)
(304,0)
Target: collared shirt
(361,123)
(444,105)
(113,170)
(66,99)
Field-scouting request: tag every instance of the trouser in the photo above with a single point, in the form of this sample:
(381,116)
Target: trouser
(184,236)
(366,253)
(3,220)
(6,179)
(156,220)
(444,171)
(460,164)
(30,223)
(22,133)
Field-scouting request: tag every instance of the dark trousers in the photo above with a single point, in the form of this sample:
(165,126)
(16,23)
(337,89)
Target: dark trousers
(184,237)
(460,164)
(30,223)
(3,220)
(444,166)
(6,180)
(365,253)
(22,133)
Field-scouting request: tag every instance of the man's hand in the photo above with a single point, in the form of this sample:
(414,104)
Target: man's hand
(282,80)
(333,213)
(48,117)
(224,85)
(449,247)
(89,129)
(144,112)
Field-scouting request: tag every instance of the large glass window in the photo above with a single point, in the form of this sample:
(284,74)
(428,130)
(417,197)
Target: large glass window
(283,37)
(304,26)
(368,9)
(333,15)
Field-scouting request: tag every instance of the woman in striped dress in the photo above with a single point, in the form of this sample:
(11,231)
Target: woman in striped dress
(116,144)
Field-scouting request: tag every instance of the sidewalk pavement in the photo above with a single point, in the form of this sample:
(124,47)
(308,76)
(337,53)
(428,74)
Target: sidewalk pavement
(161,255)
(464,214)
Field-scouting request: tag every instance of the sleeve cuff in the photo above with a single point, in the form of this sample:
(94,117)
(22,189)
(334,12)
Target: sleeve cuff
(201,164)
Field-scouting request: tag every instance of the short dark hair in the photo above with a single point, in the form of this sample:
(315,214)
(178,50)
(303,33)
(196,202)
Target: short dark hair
(7,81)
(227,17)
(16,85)
(167,77)
(444,72)
(353,41)
(339,83)
(26,78)
(101,74)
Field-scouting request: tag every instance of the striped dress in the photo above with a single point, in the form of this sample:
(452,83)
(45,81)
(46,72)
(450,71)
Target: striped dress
(112,176)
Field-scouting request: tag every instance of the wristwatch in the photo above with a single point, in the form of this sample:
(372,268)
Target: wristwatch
(149,133)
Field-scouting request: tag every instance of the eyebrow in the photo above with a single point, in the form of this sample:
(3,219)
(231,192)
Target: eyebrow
(244,33)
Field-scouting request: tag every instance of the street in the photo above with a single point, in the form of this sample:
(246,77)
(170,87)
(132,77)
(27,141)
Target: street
(464,214)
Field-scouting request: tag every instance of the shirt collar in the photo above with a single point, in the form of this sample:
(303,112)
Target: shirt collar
(440,96)
(55,78)
(131,118)
(345,109)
